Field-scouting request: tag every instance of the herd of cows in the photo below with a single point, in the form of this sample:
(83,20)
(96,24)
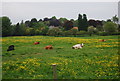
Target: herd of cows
(77,46)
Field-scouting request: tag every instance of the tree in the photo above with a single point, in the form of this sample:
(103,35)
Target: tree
(33,22)
(84,22)
(80,25)
(54,22)
(62,21)
(44,30)
(110,27)
(27,23)
(115,19)
(53,17)
(68,25)
(17,31)
(74,31)
(6,26)
(54,32)
(91,30)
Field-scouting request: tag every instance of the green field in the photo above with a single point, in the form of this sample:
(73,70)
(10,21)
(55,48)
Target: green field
(96,60)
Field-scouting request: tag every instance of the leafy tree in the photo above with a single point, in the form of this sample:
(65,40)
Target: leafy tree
(74,31)
(33,22)
(54,32)
(46,19)
(6,26)
(30,31)
(95,23)
(110,27)
(17,31)
(27,23)
(91,30)
(62,21)
(44,30)
(54,22)
(37,32)
(115,19)
(75,23)
(40,20)
(109,20)
(22,28)
(53,17)
(68,25)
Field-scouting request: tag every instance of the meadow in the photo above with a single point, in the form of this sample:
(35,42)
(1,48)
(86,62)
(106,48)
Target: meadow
(96,60)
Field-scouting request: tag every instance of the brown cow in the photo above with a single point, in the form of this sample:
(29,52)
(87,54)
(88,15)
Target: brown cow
(102,40)
(36,43)
(49,47)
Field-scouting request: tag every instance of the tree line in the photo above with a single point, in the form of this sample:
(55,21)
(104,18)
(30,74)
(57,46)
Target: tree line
(60,27)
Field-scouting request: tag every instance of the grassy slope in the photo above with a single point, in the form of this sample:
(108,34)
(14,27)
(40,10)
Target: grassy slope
(33,61)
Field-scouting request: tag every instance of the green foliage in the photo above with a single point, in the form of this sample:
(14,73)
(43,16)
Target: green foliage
(74,31)
(62,21)
(54,32)
(80,22)
(30,31)
(6,26)
(37,32)
(68,25)
(84,22)
(82,32)
(91,30)
(110,27)
(115,19)
(102,33)
(44,30)
(67,33)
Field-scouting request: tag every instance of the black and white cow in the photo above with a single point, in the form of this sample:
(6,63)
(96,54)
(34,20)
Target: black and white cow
(78,46)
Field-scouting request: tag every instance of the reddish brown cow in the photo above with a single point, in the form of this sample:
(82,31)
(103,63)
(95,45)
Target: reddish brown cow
(102,40)
(36,43)
(49,47)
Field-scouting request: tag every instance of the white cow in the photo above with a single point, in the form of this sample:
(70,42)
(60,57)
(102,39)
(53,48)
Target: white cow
(78,46)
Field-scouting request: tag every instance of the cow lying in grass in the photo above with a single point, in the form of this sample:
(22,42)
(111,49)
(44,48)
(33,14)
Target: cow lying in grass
(36,43)
(49,47)
(10,48)
(102,40)
(78,46)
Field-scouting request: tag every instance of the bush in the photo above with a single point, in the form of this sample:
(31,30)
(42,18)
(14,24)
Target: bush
(103,33)
(110,27)
(81,33)
(91,30)
(115,33)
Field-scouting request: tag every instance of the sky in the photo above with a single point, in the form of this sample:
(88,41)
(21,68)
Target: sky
(18,11)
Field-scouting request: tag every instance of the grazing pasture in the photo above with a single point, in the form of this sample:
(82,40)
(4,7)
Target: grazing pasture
(96,60)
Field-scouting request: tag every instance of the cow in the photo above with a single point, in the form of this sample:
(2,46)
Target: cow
(49,47)
(78,46)
(36,43)
(102,40)
(10,48)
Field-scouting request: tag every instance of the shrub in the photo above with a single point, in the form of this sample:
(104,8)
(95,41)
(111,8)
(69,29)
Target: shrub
(81,33)
(91,30)
(110,27)
(101,33)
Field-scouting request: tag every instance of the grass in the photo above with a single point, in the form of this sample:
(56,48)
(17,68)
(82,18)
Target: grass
(97,60)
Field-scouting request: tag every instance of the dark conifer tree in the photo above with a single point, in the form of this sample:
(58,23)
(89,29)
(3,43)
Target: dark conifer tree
(80,22)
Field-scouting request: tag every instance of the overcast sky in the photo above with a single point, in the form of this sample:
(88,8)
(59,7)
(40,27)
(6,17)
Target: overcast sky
(18,11)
